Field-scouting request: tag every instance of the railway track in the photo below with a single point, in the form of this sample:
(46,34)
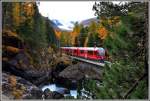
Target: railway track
(90,61)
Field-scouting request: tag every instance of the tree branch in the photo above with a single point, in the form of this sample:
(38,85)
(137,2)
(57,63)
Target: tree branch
(134,86)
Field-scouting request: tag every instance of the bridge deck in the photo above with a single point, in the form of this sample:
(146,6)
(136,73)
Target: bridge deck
(89,61)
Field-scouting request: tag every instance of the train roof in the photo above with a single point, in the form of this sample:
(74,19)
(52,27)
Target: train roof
(82,48)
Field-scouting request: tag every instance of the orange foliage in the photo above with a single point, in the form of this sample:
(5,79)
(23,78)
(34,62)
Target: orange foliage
(17,94)
(58,34)
(102,32)
(74,34)
(12,80)
(11,49)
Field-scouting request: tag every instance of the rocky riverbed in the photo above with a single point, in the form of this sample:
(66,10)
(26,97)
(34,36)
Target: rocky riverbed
(15,87)
(24,82)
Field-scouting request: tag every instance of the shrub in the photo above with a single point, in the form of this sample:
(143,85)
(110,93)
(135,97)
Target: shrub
(12,80)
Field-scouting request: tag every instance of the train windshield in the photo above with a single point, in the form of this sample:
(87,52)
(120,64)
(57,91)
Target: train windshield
(101,51)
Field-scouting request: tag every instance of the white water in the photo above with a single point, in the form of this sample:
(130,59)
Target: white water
(53,87)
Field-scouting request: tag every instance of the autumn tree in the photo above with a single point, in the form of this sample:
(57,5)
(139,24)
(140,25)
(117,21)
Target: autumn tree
(83,35)
(102,32)
(75,33)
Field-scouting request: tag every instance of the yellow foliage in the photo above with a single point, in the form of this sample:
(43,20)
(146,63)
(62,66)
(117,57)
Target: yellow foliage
(9,33)
(110,22)
(12,80)
(92,26)
(17,93)
(114,20)
(74,34)
(16,14)
(76,29)
(23,88)
(21,9)
(50,50)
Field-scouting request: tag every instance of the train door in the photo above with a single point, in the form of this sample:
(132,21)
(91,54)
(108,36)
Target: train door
(72,52)
(85,53)
(75,52)
(78,52)
(81,53)
(90,54)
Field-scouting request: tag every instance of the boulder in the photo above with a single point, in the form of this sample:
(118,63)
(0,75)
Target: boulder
(52,95)
(36,93)
(57,95)
(80,71)
(48,94)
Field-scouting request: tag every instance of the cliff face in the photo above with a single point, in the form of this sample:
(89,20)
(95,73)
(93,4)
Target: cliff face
(25,30)
(28,41)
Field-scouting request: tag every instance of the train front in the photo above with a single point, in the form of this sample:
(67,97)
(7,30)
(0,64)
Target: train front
(101,54)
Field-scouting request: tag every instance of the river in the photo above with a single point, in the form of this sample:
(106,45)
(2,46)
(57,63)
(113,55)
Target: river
(76,91)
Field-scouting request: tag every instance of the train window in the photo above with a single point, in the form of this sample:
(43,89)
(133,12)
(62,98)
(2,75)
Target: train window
(101,52)
(81,51)
(95,52)
(90,52)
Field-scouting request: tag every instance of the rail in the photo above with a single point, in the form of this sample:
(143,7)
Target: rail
(89,61)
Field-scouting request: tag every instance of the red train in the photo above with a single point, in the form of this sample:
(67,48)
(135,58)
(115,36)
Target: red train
(92,53)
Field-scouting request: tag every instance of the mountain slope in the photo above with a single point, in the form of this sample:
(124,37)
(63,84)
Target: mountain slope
(62,25)
(88,21)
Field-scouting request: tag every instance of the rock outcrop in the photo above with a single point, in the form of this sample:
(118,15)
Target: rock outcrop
(14,87)
(80,71)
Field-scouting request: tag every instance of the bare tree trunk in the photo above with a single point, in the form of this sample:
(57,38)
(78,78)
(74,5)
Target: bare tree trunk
(87,39)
